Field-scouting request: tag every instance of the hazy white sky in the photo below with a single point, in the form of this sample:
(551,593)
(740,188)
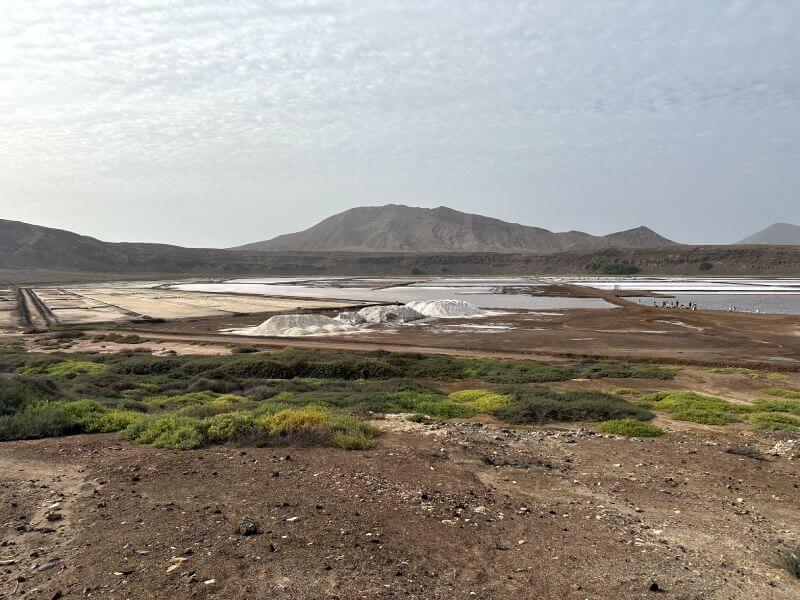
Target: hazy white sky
(213,123)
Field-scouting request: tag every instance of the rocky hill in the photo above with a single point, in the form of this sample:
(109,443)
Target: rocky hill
(33,254)
(398,228)
(778,234)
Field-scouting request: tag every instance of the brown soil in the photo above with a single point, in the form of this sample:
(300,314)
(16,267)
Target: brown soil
(629,332)
(453,511)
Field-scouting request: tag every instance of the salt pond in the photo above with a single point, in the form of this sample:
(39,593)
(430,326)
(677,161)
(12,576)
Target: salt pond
(718,293)
(479,292)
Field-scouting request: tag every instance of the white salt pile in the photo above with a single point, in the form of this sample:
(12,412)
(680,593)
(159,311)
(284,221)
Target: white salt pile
(297,325)
(390,314)
(351,318)
(443,309)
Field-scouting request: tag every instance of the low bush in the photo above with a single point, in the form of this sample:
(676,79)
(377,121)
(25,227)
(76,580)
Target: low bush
(708,410)
(616,268)
(622,391)
(65,368)
(630,428)
(58,418)
(542,405)
(16,392)
(787,406)
(621,370)
(481,401)
(244,350)
(287,426)
(774,421)
(780,393)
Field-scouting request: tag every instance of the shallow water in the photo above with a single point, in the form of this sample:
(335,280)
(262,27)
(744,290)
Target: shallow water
(476,292)
(715,293)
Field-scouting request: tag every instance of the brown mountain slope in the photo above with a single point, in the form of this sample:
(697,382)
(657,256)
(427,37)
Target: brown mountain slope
(398,228)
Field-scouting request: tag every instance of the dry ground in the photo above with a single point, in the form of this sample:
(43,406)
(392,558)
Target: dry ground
(453,511)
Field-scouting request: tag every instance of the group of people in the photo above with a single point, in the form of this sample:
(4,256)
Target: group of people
(675,304)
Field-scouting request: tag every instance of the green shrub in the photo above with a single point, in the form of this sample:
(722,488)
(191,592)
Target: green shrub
(774,421)
(229,427)
(65,368)
(542,405)
(708,410)
(481,401)
(768,405)
(617,268)
(630,428)
(705,266)
(16,392)
(621,370)
(50,419)
(166,431)
(110,420)
(622,391)
(780,393)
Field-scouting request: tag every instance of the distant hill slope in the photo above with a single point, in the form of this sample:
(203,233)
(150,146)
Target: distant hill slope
(398,228)
(779,234)
(32,254)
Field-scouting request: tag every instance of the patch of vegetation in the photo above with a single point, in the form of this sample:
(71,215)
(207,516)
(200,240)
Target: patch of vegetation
(780,393)
(695,408)
(65,368)
(542,405)
(622,370)
(750,373)
(289,426)
(786,406)
(774,421)
(623,391)
(747,451)
(481,401)
(705,266)
(57,418)
(244,350)
(790,560)
(118,338)
(16,392)
(177,400)
(622,267)
(630,428)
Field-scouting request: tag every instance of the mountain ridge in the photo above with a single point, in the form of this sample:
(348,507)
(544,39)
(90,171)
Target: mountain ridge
(400,228)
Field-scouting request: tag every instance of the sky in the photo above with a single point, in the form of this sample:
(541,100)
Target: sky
(210,123)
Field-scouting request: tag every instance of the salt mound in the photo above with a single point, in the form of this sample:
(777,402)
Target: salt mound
(390,314)
(297,325)
(443,309)
(351,318)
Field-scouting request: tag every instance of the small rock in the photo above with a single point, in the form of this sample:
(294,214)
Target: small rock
(46,566)
(654,587)
(249,526)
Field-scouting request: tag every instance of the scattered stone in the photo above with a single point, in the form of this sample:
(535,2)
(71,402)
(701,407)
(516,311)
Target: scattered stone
(248,526)
(654,587)
(46,566)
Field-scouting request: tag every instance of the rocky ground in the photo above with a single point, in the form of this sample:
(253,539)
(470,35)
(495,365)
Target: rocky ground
(459,510)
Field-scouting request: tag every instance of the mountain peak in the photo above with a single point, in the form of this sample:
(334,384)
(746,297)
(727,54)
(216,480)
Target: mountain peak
(401,228)
(779,234)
